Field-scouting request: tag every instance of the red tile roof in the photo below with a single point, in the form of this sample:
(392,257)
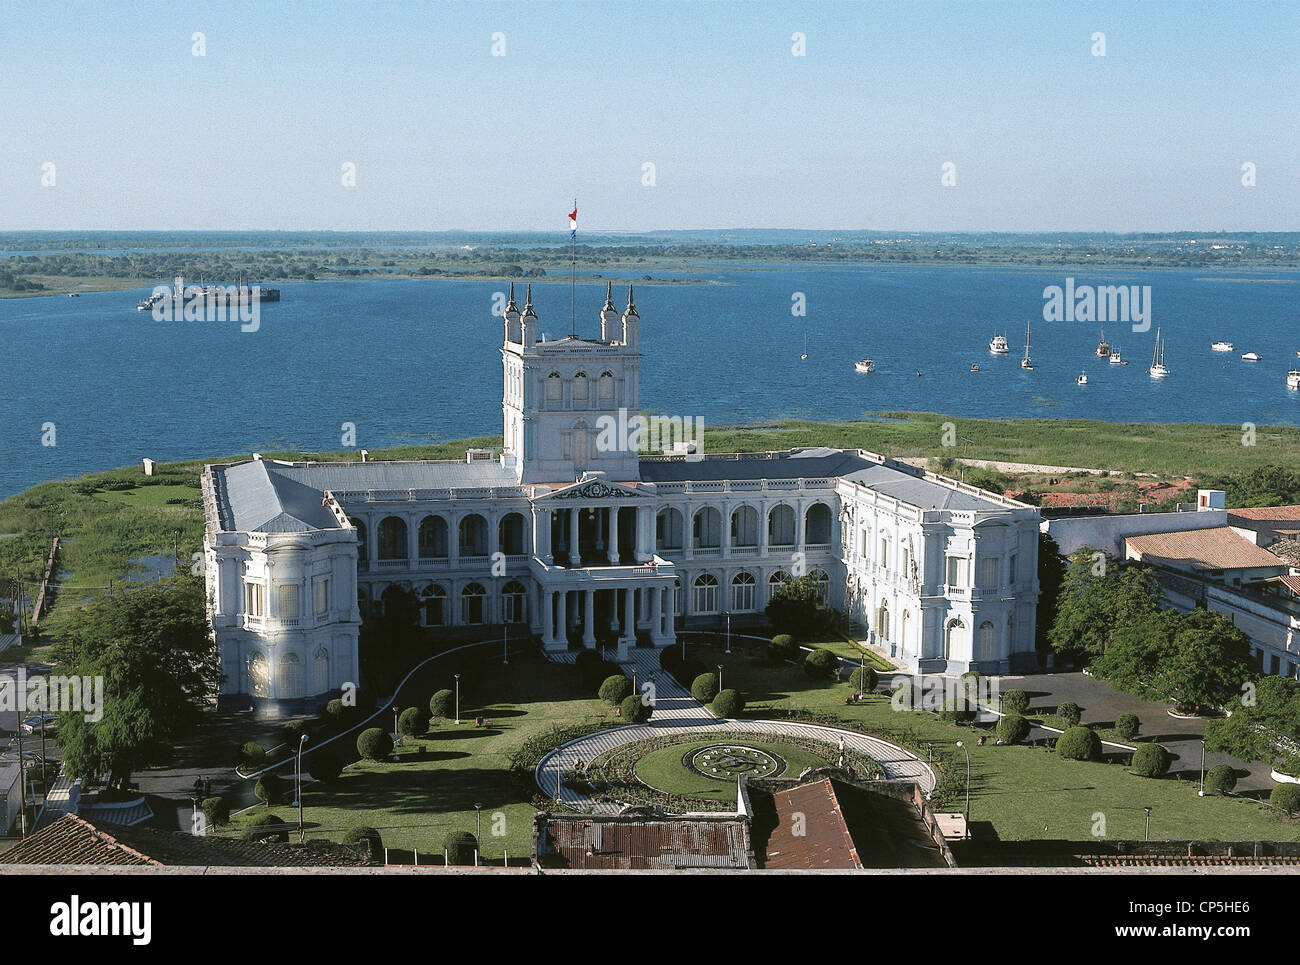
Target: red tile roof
(641,843)
(810,830)
(1219,548)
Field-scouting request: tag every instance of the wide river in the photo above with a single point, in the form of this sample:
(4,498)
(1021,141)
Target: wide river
(414,361)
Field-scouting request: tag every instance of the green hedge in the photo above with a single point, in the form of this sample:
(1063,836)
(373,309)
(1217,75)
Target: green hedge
(1078,744)
(728,703)
(1286,797)
(260,827)
(412,722)
(820,663)
(216,811)
(1127,726)
(1220,779)
(1015,702)
(1012,729)
(374,744)
(633,710)
(460,847)
(863,682)
(614,688)
(705,687)
(1151,760)
(1069,712)
(269,788)
(443,704)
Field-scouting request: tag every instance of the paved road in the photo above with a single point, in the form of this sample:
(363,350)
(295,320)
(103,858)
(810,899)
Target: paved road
(677,712)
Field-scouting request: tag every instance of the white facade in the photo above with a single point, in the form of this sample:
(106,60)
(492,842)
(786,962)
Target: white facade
(581,540)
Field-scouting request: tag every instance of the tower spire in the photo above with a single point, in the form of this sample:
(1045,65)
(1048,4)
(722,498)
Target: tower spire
(609,297)
(510,305)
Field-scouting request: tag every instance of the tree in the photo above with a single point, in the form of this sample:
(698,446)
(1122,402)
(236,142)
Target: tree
(1209,660)
(216,811)
(1098,595)
(159,665)
(1264,724)
(1051,575)
(1069,712)
(1286,797)
(1132,661)
(324,766)
(266,827)
(782,647)
(797,608)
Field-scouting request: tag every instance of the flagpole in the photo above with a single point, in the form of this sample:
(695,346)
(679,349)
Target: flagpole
(573,276)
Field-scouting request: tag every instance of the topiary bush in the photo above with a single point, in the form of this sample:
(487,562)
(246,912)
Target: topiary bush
(293,731)
(261,827)
(864,680)
(1151,760)
(782,647)
(1069,712)
(633,710)
(443,704)
(252,755)
(614,689)
(412,721)
(957,710)
(269,788)
(374,744)
(1127,726)
(1286,797)
(460,847)
(820,663)
(705,687)
(1012,729)
(216,811)
(324,767)
(370,836)
(1078,744)
(1015,702)
(1220,779)
(728,703)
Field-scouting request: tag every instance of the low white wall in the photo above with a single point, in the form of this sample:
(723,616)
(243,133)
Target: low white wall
(1107,532)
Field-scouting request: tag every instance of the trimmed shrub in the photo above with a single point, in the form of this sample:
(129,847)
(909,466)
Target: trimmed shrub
(728,703)
(269,788)
(705,687)
(412,721)
(252,755)
(820,663)
(216,811)
(1151,760)
(1078,744)
(1012,729)
(1015,702)
(633,711)
(782,647)
(293,731)
(1127,726)
(460,847)
(324,767)
(864,682)
(957,710)
(443,704)
(334,713)
(1286,797)
(374,744)
(1220,779)
(368,835)
(260,828)
(614,689)
(1069,712)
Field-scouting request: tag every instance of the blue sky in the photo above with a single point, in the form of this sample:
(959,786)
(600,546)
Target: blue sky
(742,133)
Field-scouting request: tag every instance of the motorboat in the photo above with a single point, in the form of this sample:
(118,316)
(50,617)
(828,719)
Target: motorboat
(1251,357)
(1116,358)
(863,365)
(998,345)
(1222,346)
(1082,379)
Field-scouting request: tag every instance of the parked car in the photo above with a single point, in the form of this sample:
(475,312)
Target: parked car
(32,724)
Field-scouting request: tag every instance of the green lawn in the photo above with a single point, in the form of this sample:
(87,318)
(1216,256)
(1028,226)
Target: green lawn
(415,802)
(1019,790)
(843,647)
(663,769)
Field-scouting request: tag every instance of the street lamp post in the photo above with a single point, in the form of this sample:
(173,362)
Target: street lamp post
(478,831)
(396,732)
(1201,792)
(728,632)
(505,644)
(302,829)
(1148,811)
(962,745)
(719,678)
(457,698)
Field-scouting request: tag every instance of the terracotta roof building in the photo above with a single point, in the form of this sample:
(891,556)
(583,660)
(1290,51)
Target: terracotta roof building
(641,841)
(73,840)
(1212,551)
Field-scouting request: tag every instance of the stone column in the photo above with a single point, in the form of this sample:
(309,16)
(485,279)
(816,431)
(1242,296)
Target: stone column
(372,542)
(575,556)
(629,615)
(453,541)
(589,618)
(612,535)
(656,614)
(412,539)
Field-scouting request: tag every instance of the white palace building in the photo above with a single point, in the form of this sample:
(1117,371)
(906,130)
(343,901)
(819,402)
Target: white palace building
(579,540)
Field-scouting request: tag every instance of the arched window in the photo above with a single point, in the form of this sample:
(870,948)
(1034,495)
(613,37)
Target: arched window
(512,534)
(706,594)
(882,621)
(290,677)
(514,597)
(780,526)
(903,628)
(392,538)
(554,387)
(363,548)
(321,674)
(668,529)
(988,648)
(433,605)
(606,387)
(817,525)
(775,582)
(472,604)
(473,535)
(742,592)
(952,637)
(744,526)
(706,529)
(580,387)
(259,677)
(433,538)
(823,582)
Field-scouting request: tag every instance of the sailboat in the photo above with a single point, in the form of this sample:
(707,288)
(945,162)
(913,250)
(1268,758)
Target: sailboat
(1158,369)
(805,346)
(1027,362)
(1103,347)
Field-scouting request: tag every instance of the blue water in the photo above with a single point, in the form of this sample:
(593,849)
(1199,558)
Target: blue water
(414,361)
